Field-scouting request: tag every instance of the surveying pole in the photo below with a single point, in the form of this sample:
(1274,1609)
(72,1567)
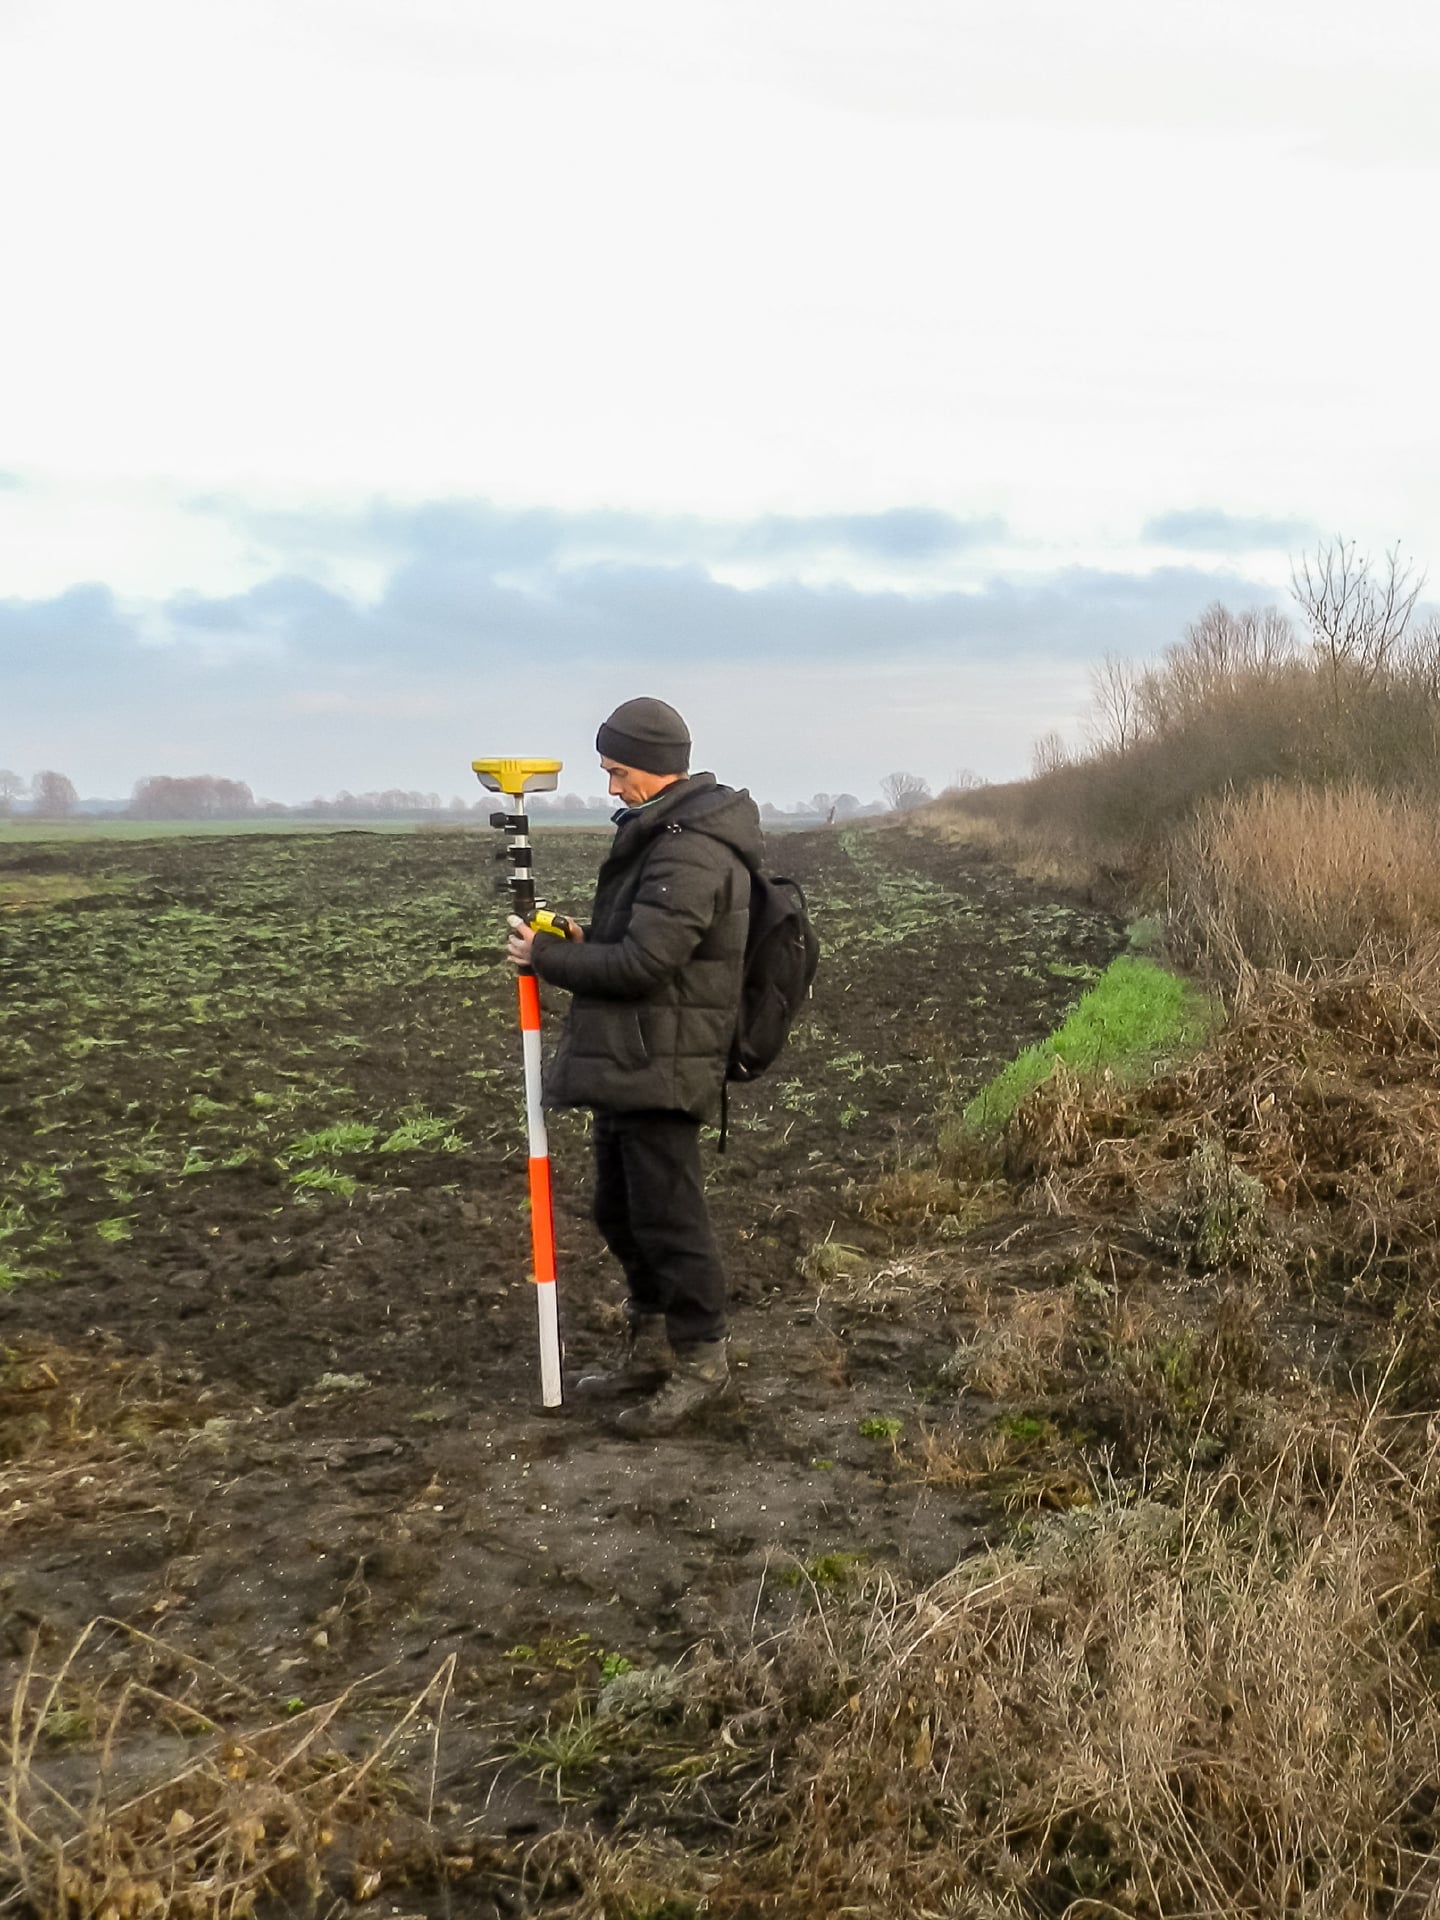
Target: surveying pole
(512,780)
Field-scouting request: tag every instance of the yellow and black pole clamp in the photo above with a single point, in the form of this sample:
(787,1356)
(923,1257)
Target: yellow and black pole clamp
(560,924)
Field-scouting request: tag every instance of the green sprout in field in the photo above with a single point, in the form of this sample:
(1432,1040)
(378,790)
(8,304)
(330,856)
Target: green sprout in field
(324,1180)
(350,1136)
(828,1570)
(573,1747)
(422,1130)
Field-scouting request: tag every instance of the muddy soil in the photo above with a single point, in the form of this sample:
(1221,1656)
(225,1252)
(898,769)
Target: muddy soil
(275,1403)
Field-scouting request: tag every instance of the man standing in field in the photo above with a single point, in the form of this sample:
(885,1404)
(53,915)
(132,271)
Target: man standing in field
(656,985)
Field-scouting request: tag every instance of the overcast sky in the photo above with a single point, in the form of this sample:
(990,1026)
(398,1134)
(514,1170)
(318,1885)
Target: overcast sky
(386,382)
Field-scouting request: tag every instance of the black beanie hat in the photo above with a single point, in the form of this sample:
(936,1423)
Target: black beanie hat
(646,735)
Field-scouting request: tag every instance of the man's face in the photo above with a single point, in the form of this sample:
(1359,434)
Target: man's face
(630,786)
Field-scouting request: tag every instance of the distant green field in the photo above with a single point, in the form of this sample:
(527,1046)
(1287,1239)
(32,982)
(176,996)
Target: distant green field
(101,827)
(111,827)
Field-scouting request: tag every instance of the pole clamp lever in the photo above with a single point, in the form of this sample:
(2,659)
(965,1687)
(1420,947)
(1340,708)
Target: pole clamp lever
(556,923)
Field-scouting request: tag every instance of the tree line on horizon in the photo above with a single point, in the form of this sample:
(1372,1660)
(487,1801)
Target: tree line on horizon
(52,795)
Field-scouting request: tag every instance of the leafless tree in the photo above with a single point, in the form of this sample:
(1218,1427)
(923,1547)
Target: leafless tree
(393,803)
(200,796)
(1225,645)
(1220,652)
(1357,612)
(53,795)
(12,788)
(902,792)
(1115,695)
(1048,755)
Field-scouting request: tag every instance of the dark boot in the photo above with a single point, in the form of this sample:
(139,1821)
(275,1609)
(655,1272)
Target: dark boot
(701,1377)
(644,1363)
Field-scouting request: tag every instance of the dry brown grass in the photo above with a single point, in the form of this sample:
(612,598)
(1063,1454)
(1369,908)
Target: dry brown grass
(1043,851)
(1296,877)
(923,1198)
(274,1810)
(1218,1708)
(1019,1349)
(84,1433)
(1022,1465)
(58,1403)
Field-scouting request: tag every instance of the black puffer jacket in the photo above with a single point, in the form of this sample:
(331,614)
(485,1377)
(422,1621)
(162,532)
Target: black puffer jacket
(657,979)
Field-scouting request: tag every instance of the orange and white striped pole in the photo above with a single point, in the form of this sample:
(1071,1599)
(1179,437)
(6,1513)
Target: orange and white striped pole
(542,1202)
(512,780)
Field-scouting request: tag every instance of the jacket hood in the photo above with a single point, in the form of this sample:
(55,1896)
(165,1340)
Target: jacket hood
(701,805)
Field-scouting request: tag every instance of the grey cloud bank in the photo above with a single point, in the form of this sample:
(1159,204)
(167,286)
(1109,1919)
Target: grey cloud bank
(439,616)
(1208,530)
(521,539)
(487,631)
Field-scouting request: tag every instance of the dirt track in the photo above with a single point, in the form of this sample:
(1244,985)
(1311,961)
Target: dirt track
(275,1402)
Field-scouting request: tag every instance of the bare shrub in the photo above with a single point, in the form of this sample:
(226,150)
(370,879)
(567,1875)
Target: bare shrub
(1238,702)
(1292,877)
(1418,663)
(1221,654)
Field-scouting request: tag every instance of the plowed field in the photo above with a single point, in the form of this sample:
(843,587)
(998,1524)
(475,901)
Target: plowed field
(268,1391)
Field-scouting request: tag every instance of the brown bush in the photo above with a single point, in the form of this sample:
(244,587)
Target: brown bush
(1326,1091)
(1239,702)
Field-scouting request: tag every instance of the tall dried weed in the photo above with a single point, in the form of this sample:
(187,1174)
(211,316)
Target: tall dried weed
(1302,877)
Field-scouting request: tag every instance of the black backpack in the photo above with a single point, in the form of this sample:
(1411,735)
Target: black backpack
(781,955)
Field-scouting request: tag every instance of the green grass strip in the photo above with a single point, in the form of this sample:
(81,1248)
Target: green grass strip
(1135,1014)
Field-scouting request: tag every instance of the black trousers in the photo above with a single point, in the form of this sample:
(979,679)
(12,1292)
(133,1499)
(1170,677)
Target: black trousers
(650,1208)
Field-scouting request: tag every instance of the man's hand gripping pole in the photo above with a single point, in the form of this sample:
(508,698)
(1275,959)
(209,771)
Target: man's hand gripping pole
(512,779)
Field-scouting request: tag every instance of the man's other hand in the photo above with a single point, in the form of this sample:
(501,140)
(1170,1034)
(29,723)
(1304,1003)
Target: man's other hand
(522,939)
